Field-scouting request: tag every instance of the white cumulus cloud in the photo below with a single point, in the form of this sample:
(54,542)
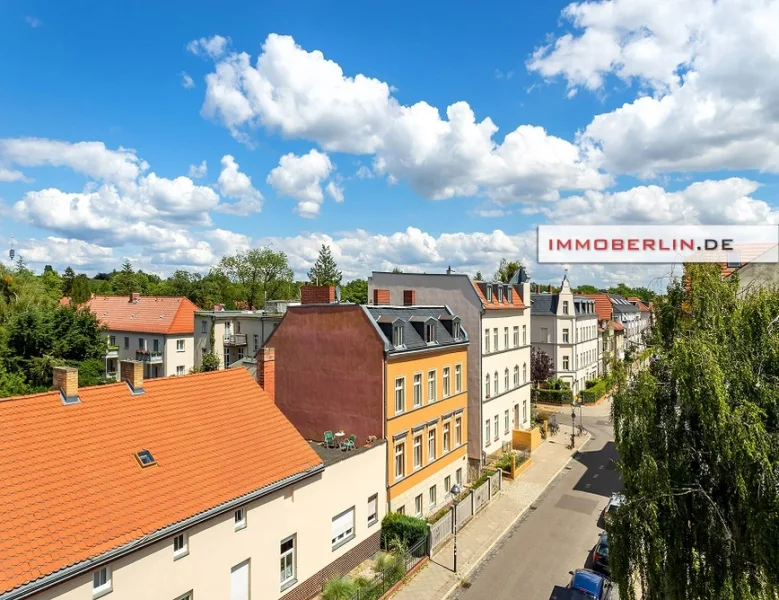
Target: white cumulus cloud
(212,47)
(186,80)
(301,178)
(198,171)
(237,185)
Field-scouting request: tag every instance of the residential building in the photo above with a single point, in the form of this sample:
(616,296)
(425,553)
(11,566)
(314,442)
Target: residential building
(236,334)
(741,260)
(644,319)
(156,330)
(181,488)
(629,315)
(606,332)
(394,372)
(565,327)
(498,353)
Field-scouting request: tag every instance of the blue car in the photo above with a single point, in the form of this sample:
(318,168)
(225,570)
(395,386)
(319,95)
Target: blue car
(590,585)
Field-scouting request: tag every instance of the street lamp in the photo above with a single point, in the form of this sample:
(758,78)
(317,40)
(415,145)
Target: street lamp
(455,491)
(573,425)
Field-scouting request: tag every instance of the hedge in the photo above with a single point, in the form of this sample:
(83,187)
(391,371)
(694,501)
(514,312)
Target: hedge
(405,528)
(552,396)
(594,393)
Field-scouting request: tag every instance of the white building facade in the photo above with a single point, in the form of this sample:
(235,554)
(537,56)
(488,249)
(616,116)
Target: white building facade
(237,334)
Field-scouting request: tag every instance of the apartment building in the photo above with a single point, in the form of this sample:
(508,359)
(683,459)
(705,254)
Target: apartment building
(156,330)
(644,320)
(236,334)
(629,315)
(498,357)
(176,489)
(393,372)
(565,327)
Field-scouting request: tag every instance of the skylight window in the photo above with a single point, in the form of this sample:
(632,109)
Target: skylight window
(145,458)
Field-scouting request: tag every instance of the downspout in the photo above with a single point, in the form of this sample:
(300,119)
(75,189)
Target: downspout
(390,449)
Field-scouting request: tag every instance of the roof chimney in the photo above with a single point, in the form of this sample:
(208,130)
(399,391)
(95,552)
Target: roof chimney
(449,270)
(131,372)
(266,371)
(409,297)
(381,296)
(317,294)
(66,381)
(134,297)
(549,288)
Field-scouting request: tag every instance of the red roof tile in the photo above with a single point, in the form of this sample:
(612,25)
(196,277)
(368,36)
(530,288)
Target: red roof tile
(639,303)
(149,314)
(602,306)
(516,298)
(72,488)
(617,326)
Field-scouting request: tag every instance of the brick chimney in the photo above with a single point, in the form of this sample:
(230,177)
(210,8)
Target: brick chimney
(409,297)
(381,296)
(549,288)
(317,294)
(266,371)
(131,371)
(134,297)
(66,381)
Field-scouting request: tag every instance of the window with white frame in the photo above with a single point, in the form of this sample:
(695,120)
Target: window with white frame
(400,460)
(180,370)
(458,431)
(489,293)
(287,551)
(524,335)
(447,485)
(179,345)
(239,518)
(239,581)
(203,326)
(343,528)
(487,432)
(565,307)
(446,382)
(180,545)
(433,495)
(566,363)
(447,428)
(516,336)
(397,336)
(418,505)
(373,510)
(506,379)
(524,372)
(431,385)
(487,385)
(500,294)
(400,394)
(495,382)
(458,378)
(141,344)
(226,358)
(506,422)
(456,330)
(417,390)
(256,342)
(430,331)
(458,476)
(566,336)
(112,340)
(101,582)
(495,338)
(497,425)
(240,353)
(417,451)
(506,337)
(509,294)
(431,449)
(486,341)
(524,411)
(516,375)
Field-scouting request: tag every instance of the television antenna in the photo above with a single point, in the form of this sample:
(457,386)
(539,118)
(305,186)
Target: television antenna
(11,251)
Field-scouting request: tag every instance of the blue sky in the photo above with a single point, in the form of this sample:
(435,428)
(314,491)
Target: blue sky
(91,72)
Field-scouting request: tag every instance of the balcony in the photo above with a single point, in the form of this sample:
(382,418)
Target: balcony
(235,339)
(149,356)
(112,352)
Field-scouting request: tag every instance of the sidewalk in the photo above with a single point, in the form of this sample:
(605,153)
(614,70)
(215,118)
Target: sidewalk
(437,581)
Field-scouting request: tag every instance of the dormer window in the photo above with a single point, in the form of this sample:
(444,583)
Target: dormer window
(397,336)
(430,333)
(733,260)
(456,330)
(489,292)
(500,294)
(509,294)
(566,310)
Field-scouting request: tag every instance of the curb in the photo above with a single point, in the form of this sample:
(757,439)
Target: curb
(516,519)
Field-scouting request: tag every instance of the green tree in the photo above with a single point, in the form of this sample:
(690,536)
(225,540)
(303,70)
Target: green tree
(586,289)
(261,274)
(68,276)
(396,270)
(355,291)
(79,291)
(21,267)
(125,281)
(52,283)
(506,270)
(479,276)
(210,362)
(541,366)
(325,270)
(698,439)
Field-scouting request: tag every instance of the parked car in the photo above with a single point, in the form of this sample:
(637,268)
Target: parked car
(615,502)
(590,584)
(600,555)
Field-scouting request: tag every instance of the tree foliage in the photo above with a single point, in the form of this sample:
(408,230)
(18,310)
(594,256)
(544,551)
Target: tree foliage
(262,274)
(699,450)
(541,366)
(355,291)
(506,270)
(325,270)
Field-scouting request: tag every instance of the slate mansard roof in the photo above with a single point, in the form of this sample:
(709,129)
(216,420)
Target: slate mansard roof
(412,319)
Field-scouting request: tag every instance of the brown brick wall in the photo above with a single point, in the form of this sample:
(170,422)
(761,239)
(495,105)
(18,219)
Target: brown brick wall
(66,380)
(132,372)
(266,371)
(409,297)
(317,294)
(381,296)
(313,585)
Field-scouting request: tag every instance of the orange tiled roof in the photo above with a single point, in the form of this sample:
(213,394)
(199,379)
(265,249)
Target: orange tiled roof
(639,303)
(617,326)
(516,298)
(72,488)
(602,306)
(150,314)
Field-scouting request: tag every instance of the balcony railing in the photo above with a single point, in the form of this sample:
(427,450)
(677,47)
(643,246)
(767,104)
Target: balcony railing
(112,352)
(235,339)
(149,356)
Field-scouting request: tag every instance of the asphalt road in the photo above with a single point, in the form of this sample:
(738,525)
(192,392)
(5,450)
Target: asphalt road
(533,560)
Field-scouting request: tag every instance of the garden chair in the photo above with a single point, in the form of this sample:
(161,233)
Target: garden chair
(329,439)
(349,444)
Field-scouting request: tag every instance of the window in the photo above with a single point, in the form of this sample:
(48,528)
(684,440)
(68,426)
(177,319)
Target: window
(141,344)
(489,293)
(433,494)
(497,424)
(487,385)
(456,330)
(287,551)
(506,379)
(240,353)
(417,451)
(180,545)
(373,510)
(101,582)
(516,375)
(431,445)
(458,476)
(524,372)
(112,340)
(145,458)
(565,307)
(418,505)
(126,343)
(458,431)
(487,432)
(400,394)
(495,338)
(401,510)
(430,331)
(544,334)
(397,336)
(495,382)
(447,390)
(256,342)
(566,364)
(156,346)
(417,390)
(500,294)
(509,294)
(506,422)
(180,370)
(524,411)
(566,336)
(447,428)
(400,460)
(239,581)
(524,335)
(226,358)
(486,341)
(431,386)
(506,337)
(343,528)
(179,345)
(458,378)
(239,518)
(516,336)
(447,484)
(203,326)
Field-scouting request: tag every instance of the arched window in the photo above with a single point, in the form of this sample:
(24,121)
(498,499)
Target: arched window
(495,382)
(487,386)
(506,380)
(516,375)
(524,372)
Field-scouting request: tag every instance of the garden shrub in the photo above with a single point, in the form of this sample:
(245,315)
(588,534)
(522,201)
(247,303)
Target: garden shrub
(407,529)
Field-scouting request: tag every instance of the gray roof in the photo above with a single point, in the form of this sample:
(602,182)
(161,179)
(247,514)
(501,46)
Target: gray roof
(249,363)
(546,304)
(409,316)
(622,305)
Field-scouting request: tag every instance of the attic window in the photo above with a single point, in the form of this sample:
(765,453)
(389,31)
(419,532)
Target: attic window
(397,336)
(733,260)
(509,294)
(500,294)
(489,293)
(145,458)
(430,332)
(456,330)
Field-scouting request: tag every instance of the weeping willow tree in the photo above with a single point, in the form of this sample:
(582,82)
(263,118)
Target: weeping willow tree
(699,451)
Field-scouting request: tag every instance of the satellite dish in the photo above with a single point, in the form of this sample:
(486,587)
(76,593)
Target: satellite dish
(338,293)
